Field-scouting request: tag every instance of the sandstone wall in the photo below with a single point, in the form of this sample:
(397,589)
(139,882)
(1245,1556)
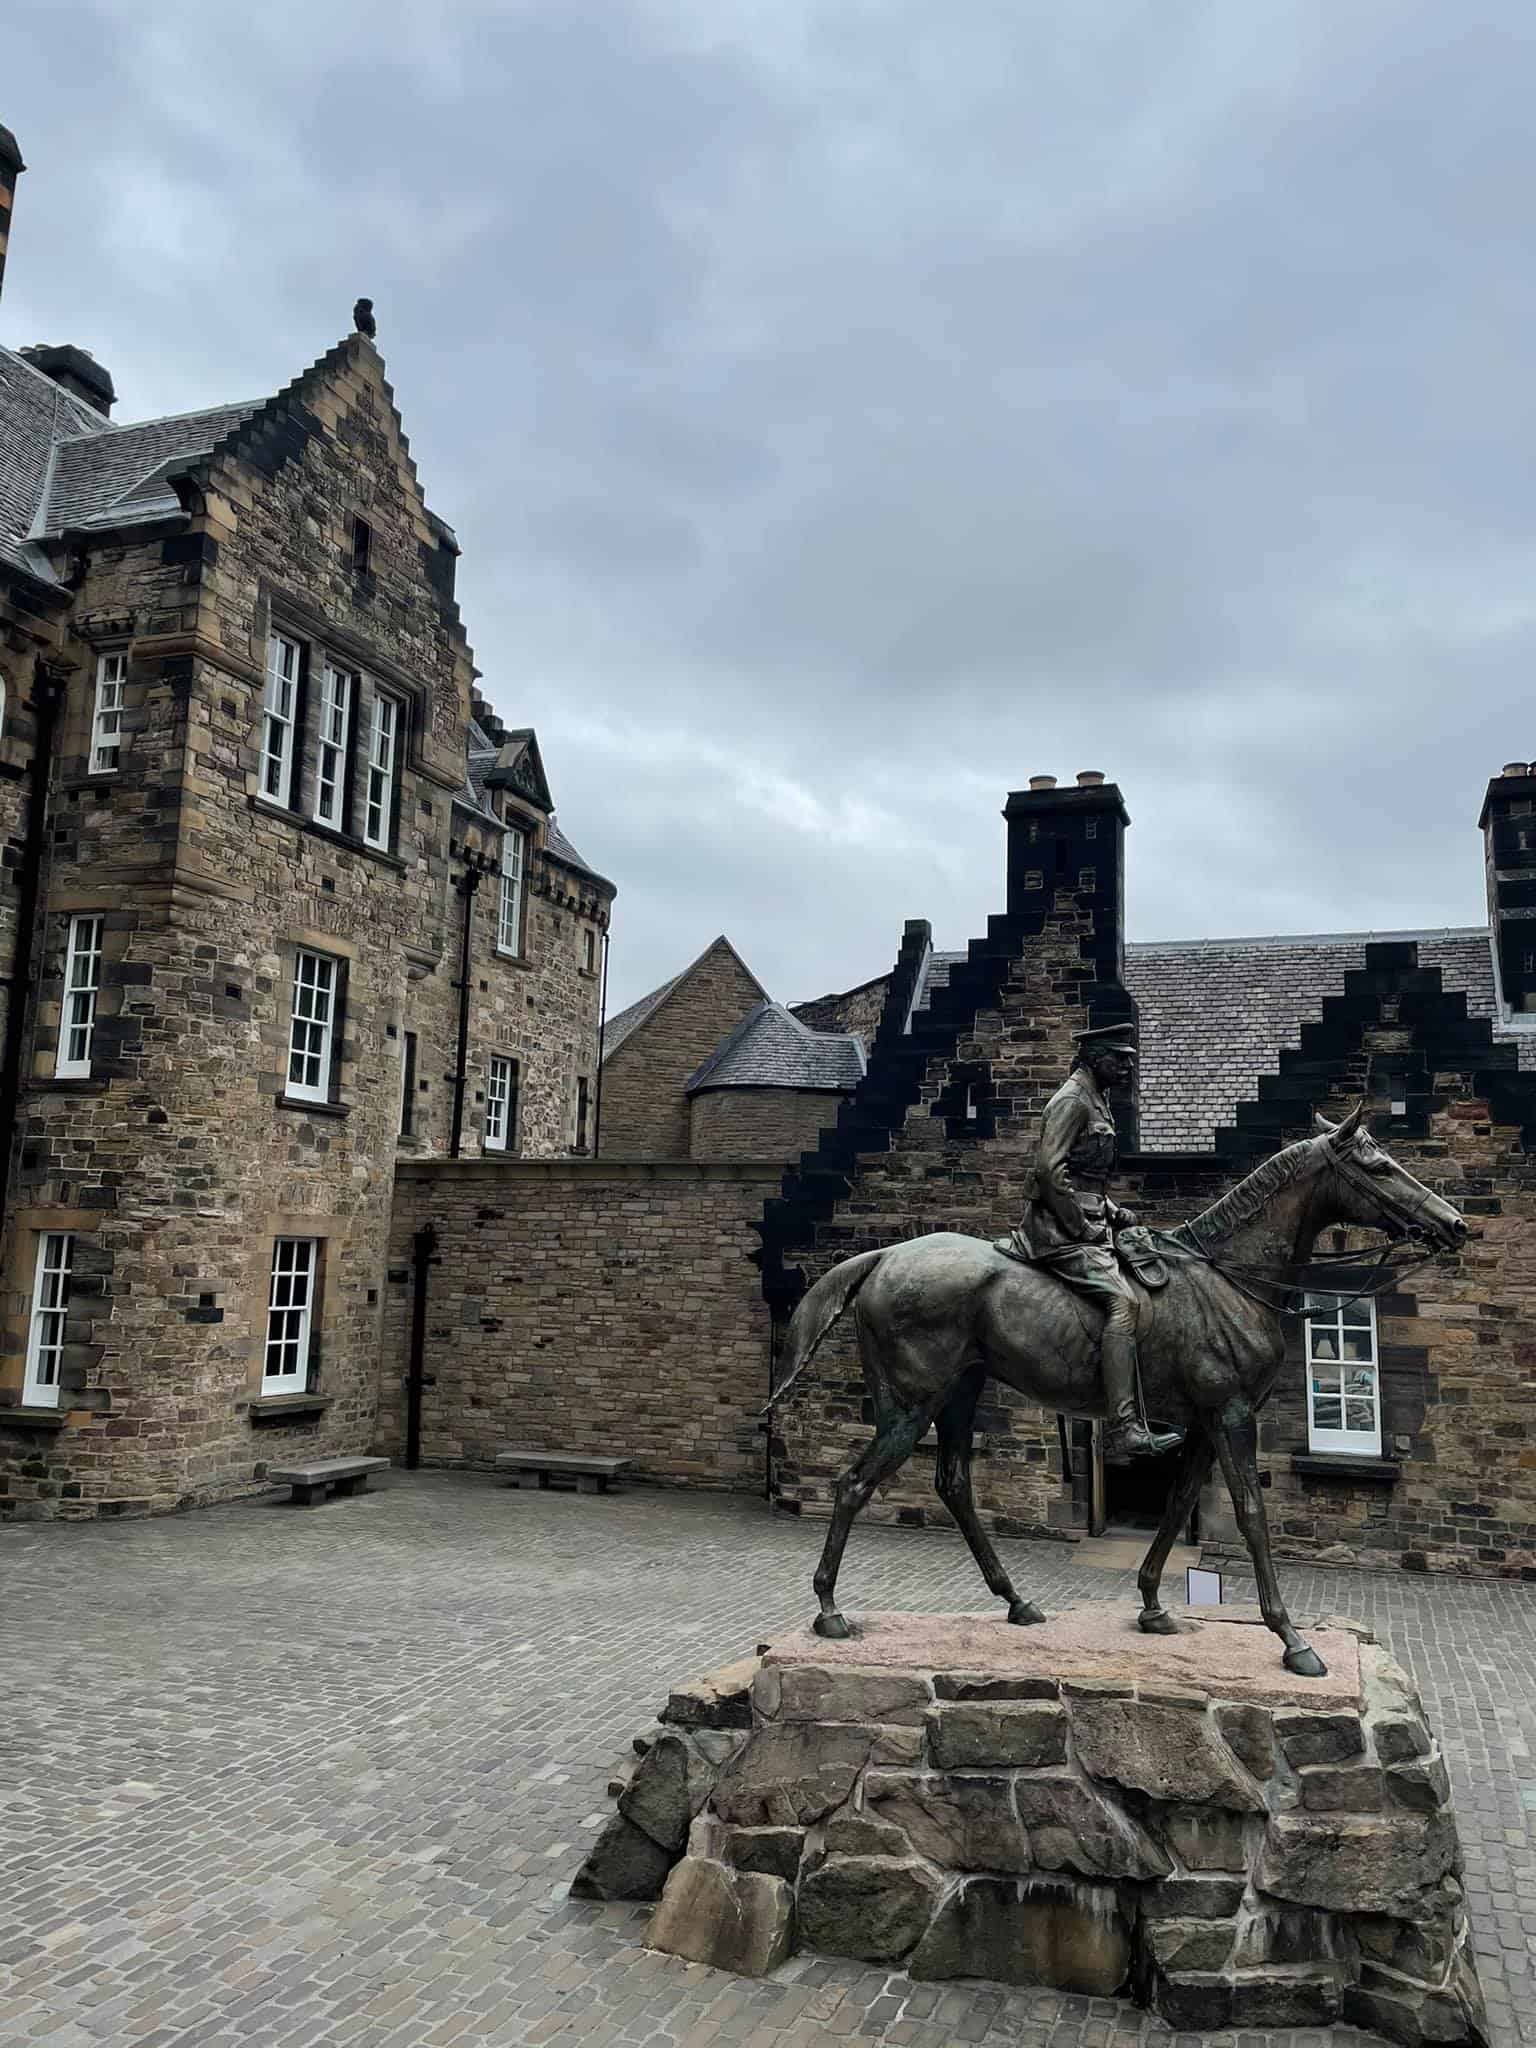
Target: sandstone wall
(181,1157)
(585,1306)
(645,1112)
(758,1123)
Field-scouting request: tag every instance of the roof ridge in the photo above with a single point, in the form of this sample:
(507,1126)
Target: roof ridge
(168,419)
(1354,938)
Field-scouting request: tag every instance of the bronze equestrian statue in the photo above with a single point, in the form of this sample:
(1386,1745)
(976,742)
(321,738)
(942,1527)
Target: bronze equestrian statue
(938,1316)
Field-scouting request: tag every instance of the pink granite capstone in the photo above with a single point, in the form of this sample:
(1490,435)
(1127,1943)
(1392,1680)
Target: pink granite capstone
(1226,1653)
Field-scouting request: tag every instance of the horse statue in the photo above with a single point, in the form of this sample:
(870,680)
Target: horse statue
(938,1316)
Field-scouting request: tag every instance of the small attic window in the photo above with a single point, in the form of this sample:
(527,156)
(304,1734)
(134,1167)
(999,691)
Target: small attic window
(362,547)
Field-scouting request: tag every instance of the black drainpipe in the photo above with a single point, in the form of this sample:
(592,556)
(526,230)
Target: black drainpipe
(602,1026)
(47,692)
(476,866)
(423,1257)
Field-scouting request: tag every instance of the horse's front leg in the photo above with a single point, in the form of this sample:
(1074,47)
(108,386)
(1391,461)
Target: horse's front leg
(1195,1460)
(1237,1445)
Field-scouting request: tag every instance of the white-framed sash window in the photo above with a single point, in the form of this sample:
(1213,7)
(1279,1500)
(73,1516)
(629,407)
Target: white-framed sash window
(290,1314)
(82,980)
(312,1029)
(1343,1376)
(383,739)
(50,1313)
(336,687)
(107,713)
(279,705)
(500,1103)
(509,910)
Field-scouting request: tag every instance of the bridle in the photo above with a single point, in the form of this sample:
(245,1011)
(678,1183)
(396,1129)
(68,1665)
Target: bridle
(1385,1271)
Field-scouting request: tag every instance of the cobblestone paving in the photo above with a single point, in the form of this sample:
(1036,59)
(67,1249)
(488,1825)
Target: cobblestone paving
(322,1776)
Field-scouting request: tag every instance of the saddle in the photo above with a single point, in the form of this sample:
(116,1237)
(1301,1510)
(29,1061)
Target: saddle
(1136,1249)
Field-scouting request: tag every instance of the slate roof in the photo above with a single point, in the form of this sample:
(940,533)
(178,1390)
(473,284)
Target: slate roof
(1215,1014)
(35,413)
(112,474)
(771,1048)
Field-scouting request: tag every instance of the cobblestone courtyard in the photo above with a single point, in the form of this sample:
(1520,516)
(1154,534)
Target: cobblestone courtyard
(277,1775)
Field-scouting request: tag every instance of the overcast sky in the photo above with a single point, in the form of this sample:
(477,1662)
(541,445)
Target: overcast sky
(849,408)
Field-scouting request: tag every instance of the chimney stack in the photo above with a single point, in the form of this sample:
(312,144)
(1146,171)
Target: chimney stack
(1508,823)
(11,168)
(77,370)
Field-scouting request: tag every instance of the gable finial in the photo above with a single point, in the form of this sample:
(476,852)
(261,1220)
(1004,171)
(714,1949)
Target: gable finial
(363,320)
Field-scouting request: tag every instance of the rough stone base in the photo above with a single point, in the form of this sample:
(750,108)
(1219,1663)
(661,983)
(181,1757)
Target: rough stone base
(1177,1819)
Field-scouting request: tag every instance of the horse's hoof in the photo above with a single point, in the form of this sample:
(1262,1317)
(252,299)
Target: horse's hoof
(1305,1662)
(1157,1621)
(1024,1613)
(833,1627)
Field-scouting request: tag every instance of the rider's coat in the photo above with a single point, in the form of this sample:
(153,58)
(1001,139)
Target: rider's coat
(1068,1217)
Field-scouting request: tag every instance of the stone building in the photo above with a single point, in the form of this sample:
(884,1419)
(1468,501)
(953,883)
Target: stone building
(708,1066)
(283,902)
(1403,1431)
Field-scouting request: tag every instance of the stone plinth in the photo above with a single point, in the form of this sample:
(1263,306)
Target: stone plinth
(1176,1819)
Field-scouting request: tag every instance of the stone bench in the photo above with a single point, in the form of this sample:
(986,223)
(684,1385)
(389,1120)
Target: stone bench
(339,1475)
(536,1468)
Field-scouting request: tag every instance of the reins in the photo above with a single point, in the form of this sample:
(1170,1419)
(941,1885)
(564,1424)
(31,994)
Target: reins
(1384,1272)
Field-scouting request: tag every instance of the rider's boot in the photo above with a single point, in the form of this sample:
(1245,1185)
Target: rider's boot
(1125,1434)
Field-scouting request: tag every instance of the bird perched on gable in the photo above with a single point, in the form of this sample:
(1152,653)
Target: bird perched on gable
(363,320)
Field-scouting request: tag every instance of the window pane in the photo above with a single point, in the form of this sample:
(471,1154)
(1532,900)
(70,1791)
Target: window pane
(1358,1313)
(1327,1414)
(1325,1383)
(1361,1416)
(1325,1344)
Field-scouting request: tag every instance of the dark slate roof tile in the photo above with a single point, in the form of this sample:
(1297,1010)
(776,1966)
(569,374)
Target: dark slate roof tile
(1215,1014)
(771,1048)
(98,476)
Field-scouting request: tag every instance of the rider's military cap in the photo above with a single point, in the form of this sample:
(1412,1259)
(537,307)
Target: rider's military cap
(1107,1038)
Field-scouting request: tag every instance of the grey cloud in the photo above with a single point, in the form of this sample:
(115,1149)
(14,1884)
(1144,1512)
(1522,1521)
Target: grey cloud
(870,404)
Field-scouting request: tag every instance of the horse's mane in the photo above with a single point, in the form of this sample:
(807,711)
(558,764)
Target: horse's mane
(1250,1195)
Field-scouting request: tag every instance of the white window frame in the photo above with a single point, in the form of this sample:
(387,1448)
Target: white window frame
(383,756)
(1334,1324)
(290,1316)
(279,709)
(40,1387)
(500,1101)
(312,1025)
(509,907)
(337,686)
(107,712)
(77,1004)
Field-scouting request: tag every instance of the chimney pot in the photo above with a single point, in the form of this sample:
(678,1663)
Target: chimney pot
(1042,782)
(1515,768)
(1089,778)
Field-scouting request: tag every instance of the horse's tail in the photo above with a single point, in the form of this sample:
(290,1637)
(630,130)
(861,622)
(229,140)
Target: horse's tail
(817,1313)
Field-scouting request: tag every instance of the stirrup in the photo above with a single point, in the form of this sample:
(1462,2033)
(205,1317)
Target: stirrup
(1131,1438)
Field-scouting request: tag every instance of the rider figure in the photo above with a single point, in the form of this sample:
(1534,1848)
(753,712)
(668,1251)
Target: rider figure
(1069,1223)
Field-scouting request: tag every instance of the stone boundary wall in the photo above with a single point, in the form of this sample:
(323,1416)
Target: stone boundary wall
(585,1305)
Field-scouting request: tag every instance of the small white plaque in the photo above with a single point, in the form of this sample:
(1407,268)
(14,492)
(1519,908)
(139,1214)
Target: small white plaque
(1203,1589)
